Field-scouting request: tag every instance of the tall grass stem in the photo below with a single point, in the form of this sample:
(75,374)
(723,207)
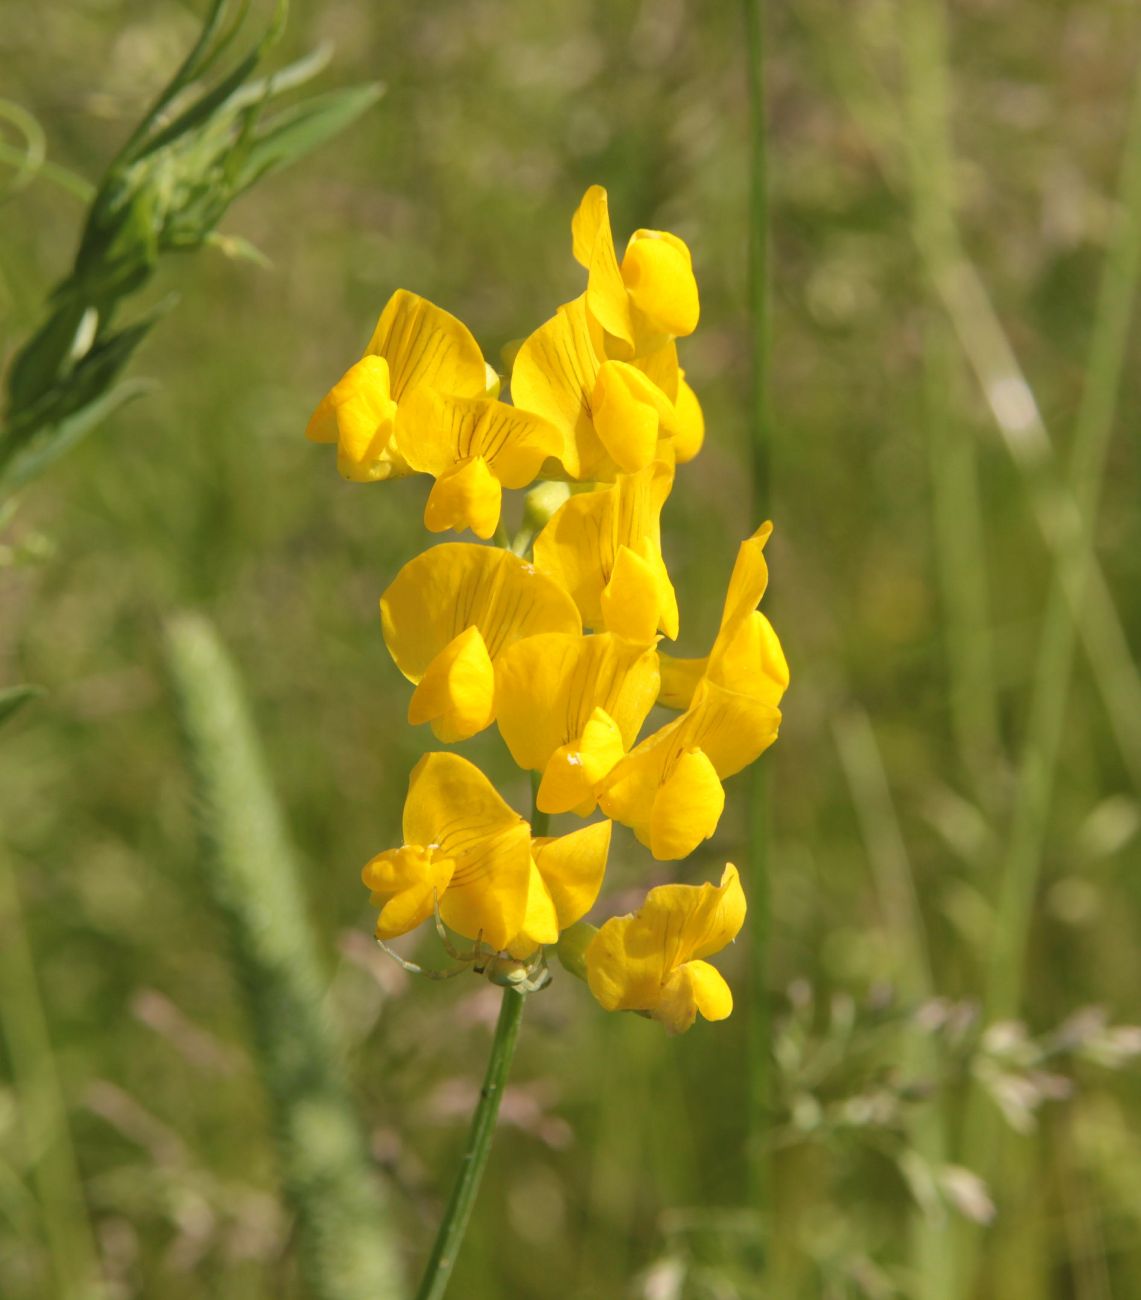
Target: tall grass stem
(51,1156)
(757,823)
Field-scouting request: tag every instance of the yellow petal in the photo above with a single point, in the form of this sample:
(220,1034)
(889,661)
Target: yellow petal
(405,885)
(732,728)
(631,602)
(749,579)
(687,428)
(358,414)
(548,686)
(466,496)
(452,805)
(427,346)
(457,693)
(554,376)
(657,272)
(694,987)
(750,660)
(629,413)
(459,585)
(575,769)
(572,866)
(593,244)
(686,808)
(540,921)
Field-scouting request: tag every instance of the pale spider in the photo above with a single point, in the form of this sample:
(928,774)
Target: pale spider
(527,975)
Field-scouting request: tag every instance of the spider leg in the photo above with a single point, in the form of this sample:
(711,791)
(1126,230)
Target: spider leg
(414,968)
(449,947)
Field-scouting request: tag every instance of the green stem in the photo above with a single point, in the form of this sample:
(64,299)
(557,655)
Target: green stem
(462,1200)
(759,1029)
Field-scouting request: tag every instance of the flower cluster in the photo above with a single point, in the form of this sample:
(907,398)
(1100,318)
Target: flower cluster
(561,651)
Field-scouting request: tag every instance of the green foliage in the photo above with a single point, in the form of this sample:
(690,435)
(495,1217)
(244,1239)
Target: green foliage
(14,697)
(345,1237)
(165,191)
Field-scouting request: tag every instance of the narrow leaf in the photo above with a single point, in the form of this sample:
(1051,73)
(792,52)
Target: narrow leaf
(13,698)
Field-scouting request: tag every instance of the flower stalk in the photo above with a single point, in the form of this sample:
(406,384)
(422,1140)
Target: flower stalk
(450,1236)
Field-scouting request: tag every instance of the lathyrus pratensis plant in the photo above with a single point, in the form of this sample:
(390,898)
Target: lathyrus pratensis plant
(553,636)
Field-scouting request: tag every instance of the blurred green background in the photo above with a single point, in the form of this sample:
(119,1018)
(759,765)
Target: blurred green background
(627,1162)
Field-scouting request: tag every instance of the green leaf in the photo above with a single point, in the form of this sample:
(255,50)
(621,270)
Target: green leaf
(54,440)
(297,131)
(15,697)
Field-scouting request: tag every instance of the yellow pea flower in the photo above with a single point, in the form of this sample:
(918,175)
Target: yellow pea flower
(474,447)
(746,656)
(415,345)
(605,548)
(651,295)
(450,613)
(467,852)
(570,707)
(613,415)
(652,960)
(668,788)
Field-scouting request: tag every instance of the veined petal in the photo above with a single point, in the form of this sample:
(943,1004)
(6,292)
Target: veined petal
(467,495)
(454,807)
(548,686)
(487,896)
(732,728)
(405,885)
(630,412)
(657,272)
(437,431)
(554,376)
(459,585)
(358,414)
(686,808)
(572,866)
(426,346)
(626,964)
(457,693)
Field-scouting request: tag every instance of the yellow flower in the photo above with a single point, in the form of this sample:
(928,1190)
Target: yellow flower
(613,415)
(605,548)
(415,345)
(474,447)
(450,613)
(746,655)
(651,296)
(468,852)
(569,707)
(651,961)
(668,789)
